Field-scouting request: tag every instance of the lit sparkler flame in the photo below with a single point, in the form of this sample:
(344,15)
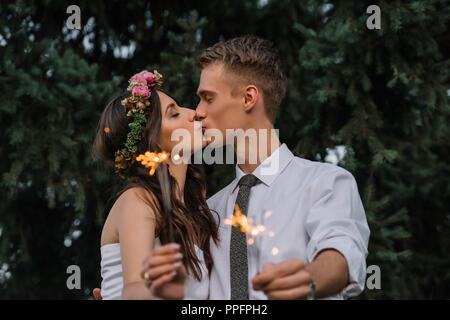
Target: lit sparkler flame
(152,159)
(240,220)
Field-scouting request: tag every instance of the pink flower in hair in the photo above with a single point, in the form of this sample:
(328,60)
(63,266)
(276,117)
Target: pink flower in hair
(140,91)
(138,78)
(148,76)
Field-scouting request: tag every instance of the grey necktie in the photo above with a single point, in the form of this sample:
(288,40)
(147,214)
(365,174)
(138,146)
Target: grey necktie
(238,244)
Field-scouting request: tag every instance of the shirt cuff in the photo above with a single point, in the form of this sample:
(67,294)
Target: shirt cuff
(356,261)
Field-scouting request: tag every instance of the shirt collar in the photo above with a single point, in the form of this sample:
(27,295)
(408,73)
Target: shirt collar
(269,169)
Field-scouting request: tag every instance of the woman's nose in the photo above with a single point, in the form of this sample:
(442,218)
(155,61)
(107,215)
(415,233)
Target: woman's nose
(192,115)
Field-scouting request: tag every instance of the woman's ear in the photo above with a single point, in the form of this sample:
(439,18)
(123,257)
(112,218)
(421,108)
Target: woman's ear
(250,97)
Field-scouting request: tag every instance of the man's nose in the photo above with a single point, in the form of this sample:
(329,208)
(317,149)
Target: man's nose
(200,115)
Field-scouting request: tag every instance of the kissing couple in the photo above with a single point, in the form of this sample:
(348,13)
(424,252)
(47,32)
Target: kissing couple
(314,233)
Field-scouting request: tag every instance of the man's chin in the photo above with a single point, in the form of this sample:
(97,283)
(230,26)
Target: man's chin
(204,144)
(197,147)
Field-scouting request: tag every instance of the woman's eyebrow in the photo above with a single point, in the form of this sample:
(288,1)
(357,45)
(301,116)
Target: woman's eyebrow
(170,105)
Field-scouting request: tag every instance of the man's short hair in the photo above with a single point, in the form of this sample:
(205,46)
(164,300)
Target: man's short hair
(254,61)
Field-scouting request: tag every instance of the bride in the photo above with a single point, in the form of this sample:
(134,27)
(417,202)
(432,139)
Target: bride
(142,119)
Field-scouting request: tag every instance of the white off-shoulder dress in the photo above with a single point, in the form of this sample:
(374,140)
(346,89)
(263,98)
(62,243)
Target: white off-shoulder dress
(112,280)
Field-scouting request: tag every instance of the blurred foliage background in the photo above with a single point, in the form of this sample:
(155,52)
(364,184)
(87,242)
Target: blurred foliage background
(372,101)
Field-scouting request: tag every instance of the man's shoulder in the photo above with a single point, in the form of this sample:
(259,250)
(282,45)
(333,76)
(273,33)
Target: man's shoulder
(219,196)
(316,170)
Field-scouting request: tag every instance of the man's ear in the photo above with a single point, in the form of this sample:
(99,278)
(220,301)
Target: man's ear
(251,94)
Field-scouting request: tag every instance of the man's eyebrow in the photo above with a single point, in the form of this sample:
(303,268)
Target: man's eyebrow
(170,105)
(204,92)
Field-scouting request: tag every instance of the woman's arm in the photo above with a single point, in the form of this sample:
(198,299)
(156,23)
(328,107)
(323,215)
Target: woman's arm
(136,226)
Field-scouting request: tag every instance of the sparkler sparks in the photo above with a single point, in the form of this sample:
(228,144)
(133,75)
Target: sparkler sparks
(152,159)
(267,214)
(238,219)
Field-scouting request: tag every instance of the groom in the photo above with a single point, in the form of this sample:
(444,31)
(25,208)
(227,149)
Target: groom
(318,233)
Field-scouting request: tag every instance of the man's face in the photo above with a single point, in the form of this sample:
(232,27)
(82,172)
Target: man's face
(218,108)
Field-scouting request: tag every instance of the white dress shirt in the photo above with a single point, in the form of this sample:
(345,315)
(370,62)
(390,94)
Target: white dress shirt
(314,206)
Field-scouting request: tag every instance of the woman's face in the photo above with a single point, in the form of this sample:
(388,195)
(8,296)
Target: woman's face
(178,128)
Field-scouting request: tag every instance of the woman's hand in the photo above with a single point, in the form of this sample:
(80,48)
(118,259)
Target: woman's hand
(164,273)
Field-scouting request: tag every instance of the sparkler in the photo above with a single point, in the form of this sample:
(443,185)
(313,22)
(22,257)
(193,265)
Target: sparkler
(240,220)
(152,160)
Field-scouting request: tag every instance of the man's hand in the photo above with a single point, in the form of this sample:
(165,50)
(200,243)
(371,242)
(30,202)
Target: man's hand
(290,279)
(96,293)
(287,280)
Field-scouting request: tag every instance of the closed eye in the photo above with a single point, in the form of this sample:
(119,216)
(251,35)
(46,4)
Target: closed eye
(208,99)
(169,106)
(206,95)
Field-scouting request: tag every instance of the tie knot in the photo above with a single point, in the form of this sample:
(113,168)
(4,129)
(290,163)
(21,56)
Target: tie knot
(248,180)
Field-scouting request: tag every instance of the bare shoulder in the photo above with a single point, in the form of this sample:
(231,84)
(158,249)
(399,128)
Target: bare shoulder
(136,200)
(135,206)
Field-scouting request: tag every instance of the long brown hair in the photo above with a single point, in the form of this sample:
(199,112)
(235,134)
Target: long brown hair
(192,222)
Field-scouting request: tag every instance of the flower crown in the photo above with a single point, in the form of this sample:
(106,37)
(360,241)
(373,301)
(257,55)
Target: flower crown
(136,106)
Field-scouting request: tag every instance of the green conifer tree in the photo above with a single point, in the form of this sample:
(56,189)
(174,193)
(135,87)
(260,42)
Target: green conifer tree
(380,94)
(383,95)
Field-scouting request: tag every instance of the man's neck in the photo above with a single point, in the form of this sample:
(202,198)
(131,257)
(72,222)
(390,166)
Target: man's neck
(255,153)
